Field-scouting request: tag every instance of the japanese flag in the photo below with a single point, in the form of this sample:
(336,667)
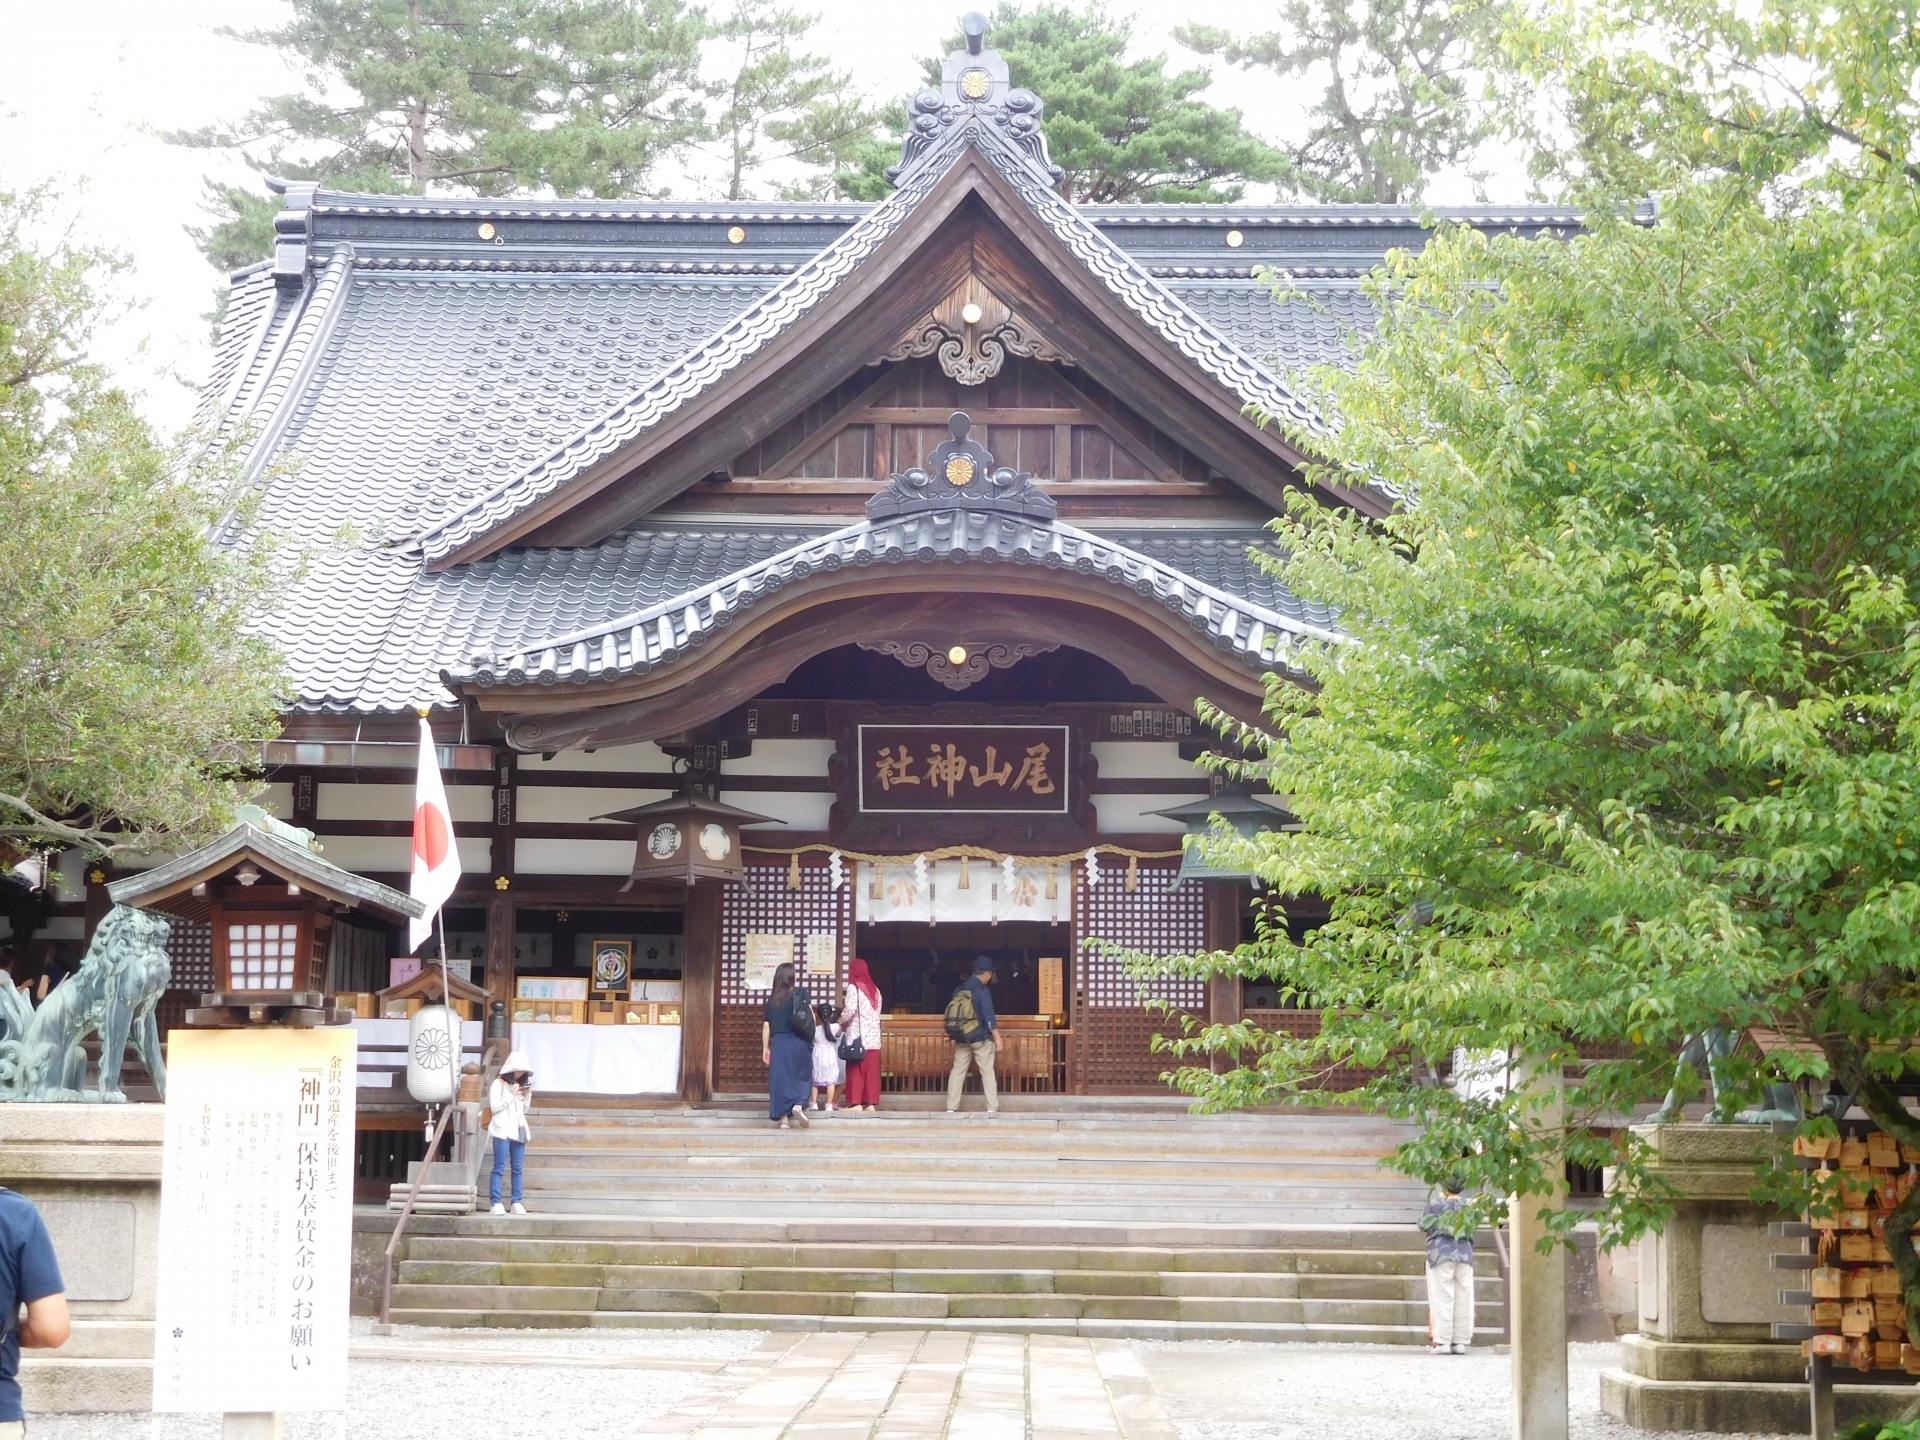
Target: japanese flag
(436,859)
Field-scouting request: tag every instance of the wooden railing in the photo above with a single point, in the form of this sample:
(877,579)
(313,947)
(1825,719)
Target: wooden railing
(916,1057)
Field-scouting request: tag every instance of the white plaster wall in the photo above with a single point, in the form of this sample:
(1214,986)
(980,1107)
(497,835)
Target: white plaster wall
(276,799)
(389,853)
(1128,814)
(573,857)
(558,804)
(798,810)
(644,756)
(1144,760)
(782,757)
(470,804)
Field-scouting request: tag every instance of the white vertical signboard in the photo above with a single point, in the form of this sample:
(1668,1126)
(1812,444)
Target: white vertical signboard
(256,1221)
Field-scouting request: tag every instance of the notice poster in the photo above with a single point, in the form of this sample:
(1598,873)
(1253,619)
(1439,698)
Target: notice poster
(823,955)
(1052,993)
(256,1216)
(766,954)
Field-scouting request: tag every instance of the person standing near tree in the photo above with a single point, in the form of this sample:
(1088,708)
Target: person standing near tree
(1449,1273)
(974,1028)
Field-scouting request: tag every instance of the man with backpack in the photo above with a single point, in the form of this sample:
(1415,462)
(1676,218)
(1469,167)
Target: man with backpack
(971,1023)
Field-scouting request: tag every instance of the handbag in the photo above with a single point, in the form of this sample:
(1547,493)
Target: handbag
(852,1048)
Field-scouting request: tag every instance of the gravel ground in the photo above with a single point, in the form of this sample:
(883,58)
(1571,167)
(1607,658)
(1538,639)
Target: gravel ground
(412,1400)
(1235,1390)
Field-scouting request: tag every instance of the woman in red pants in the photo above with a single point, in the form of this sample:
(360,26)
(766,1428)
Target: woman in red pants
(861,1020)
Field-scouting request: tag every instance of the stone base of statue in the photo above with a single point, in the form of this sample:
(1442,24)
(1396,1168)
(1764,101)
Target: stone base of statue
(1704,1358)
(94,1173)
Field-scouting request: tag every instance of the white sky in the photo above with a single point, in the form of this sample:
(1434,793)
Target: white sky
(85,85)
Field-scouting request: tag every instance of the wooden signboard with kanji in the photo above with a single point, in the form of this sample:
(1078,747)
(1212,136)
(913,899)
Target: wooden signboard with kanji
(964,769)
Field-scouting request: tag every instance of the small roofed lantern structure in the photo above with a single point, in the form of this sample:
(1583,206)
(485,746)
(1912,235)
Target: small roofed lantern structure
(687,839)
(1247,814)
(271,901)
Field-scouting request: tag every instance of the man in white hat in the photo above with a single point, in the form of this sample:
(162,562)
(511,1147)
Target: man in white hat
(508,1099)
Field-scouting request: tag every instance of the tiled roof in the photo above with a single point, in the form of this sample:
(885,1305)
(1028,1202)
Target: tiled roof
(372,631)
(1259,633)
(431,387)
(412,371)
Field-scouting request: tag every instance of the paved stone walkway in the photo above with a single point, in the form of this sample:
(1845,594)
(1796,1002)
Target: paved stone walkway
(927,1385)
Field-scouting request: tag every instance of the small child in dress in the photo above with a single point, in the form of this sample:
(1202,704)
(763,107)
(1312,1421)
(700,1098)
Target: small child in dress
(829,1070)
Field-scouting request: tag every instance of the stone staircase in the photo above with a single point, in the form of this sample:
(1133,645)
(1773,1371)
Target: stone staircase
(1063,1160)
(1116,1220)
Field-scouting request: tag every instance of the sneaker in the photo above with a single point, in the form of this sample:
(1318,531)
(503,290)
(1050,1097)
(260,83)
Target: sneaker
(498,1209)
(800,1117)
(1461,1349)
(518,1208)
(1443,1349)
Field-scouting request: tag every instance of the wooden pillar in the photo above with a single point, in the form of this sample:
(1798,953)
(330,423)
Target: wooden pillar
(1226,902)
(700,991)
(500,927)
(98,901)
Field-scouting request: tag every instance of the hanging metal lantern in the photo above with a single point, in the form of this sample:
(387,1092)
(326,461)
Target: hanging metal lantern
(687,839)
(433,1052)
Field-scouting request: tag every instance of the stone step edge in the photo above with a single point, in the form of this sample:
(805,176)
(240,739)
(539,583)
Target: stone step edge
(884,1230)
(1288,1332)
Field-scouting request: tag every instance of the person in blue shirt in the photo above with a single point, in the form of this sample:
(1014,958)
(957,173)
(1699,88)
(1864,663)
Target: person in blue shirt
(1449,1273)
(978,1046)
(30,1276)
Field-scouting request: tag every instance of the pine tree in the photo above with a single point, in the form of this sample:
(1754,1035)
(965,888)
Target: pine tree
(1124,131)
(781,109)
(1399,101)
(484,97)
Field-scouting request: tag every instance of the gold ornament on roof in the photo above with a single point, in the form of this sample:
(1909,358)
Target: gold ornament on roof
(960,470)
(975,84)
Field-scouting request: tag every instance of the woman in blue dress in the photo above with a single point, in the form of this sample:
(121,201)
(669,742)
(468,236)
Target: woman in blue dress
(787,1056)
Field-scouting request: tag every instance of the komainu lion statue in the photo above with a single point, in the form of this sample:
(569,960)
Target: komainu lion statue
(113,992)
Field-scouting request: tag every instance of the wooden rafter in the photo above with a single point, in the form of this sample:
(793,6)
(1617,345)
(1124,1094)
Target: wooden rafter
(797,455)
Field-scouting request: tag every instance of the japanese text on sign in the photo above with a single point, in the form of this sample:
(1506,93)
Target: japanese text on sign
(961,769)
(255,1221)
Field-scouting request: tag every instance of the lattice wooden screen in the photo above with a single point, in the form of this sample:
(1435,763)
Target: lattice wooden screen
(767,905)
(190,953)
(1113,1028)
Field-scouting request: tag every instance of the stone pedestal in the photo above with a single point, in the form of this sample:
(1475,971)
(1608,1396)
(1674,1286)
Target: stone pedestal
(94,1172)
(1704,1359)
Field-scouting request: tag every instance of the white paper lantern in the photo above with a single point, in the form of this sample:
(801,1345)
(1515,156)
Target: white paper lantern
(433,1072)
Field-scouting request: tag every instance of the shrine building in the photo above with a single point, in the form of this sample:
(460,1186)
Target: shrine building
(913,530)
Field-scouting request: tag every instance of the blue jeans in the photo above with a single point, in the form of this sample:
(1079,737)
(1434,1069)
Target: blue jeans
(501,1150)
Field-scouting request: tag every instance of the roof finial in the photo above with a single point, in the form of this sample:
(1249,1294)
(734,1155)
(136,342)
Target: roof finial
(976,91)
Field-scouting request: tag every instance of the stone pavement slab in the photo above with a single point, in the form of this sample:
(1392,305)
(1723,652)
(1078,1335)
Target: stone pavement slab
(921,1385)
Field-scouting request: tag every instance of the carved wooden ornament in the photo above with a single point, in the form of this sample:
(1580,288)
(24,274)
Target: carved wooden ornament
(971,352)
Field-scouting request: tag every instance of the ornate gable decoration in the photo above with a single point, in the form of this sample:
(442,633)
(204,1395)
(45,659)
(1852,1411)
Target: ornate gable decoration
(972,332)
(960,475)
(975,88)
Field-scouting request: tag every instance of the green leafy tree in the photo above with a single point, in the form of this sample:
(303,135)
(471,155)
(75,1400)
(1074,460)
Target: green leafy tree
(1625,743)
(133,703)
(1124,131)
(1403,89)
(780,107)
(482,97)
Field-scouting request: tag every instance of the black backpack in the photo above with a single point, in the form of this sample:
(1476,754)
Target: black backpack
(800,1014)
